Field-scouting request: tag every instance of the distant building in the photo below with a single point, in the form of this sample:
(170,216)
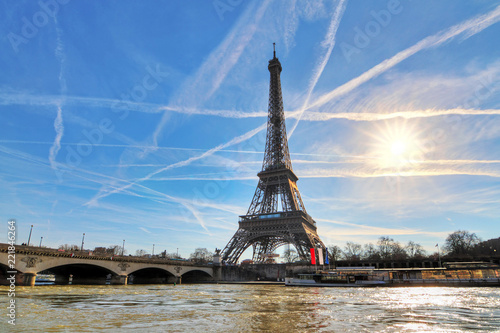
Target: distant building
(100,250)
(489,247)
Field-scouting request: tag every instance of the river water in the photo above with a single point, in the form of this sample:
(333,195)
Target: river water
(251,308)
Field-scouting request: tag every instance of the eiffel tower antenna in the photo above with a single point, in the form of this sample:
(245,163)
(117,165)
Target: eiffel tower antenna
(277,215)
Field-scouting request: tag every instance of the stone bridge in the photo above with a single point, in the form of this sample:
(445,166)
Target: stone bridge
(83,268)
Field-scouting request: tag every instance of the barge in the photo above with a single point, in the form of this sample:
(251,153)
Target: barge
(452,274)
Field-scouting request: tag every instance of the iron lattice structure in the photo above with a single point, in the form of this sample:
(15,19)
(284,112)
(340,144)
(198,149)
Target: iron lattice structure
(277,215)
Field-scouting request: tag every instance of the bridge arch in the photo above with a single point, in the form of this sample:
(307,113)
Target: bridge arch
(3,274)
(197,275)
(48,263)
(151,275)
(80,273)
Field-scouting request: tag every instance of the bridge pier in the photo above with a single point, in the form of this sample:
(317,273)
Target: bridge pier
(119,279)
(217,269)
(29,279)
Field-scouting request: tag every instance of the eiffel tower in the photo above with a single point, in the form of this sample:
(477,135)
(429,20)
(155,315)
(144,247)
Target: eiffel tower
(277,215)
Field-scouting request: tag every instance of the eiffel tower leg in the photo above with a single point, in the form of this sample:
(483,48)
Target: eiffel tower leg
(259,251)
(236,246)
(256,252)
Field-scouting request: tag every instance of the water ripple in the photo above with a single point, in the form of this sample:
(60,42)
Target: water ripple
(256,308)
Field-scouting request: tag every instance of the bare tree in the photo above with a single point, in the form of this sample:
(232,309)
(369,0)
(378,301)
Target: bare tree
(172,255)
(290,255)
(384,247)
(140,252)
(371,252)
(461,242)
(389,249)
(67,247)
(398,251)
(115,250)
(352,251)
(415,250)
(201,255)
(334,253)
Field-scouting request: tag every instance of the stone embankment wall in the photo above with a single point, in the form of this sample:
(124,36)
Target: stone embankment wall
(254,272)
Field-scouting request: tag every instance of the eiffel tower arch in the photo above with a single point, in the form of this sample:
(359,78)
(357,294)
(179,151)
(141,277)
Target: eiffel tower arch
(277,215)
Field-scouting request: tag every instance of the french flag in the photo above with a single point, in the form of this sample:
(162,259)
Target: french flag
(313,256)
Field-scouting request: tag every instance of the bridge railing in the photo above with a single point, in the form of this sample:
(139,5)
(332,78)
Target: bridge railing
(41,251)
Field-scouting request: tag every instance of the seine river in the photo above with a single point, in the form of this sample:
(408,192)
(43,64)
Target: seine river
(252,308)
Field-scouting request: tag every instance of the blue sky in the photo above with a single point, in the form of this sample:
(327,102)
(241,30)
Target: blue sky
(145,121)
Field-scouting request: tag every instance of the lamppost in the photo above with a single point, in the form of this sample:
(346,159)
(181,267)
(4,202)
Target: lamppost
(153,249)
(29,238)
(123,247)
(83,239)
(41,238)
(177,253)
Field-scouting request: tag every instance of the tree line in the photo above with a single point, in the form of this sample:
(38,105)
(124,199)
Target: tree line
(460,243)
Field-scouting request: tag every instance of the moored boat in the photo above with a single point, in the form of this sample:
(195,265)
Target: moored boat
(340,278)
(452,274)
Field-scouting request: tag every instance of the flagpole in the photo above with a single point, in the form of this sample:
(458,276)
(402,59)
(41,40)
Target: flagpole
(324,255)
(439,256)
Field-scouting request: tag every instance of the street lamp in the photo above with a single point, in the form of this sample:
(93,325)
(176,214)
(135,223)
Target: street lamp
(41,238)
(123,247)
(153,249)
(83,238)
(29,238)
(177,252)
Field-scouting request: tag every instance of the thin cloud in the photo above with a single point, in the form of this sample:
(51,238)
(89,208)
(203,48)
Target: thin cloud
(468,28)
(58,122)
(56,146)
(44,100)
(210,75)
(328,43)
(410,114)
(101,179)
(362,170)
(25,98)
(366,172)
(231,142)
(362,229)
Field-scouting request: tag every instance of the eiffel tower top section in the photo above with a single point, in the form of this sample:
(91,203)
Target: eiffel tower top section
(277,189)
(276,155)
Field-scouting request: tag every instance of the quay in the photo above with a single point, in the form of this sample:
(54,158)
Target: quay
(80,267)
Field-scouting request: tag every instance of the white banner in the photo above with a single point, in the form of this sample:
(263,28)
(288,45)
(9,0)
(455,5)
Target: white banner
(320,256)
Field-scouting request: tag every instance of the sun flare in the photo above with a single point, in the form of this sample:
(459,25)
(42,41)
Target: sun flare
(395,145)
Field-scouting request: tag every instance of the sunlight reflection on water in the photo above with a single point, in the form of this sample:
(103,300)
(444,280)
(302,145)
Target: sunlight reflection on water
(255,308)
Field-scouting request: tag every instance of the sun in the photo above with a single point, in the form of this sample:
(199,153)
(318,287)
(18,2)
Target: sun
(398,148)
(395,145)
